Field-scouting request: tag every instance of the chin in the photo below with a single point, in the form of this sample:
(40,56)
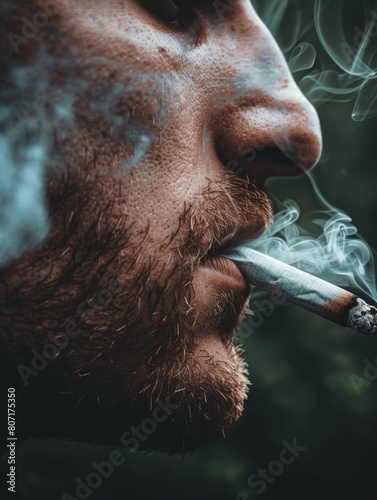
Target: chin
(205,386)
(205,404)
(199,369)
(209,383)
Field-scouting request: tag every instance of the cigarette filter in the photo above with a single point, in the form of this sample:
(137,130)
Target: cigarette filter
(302,289)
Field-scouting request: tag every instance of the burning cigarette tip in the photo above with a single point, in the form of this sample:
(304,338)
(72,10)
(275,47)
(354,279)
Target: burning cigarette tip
(363,318)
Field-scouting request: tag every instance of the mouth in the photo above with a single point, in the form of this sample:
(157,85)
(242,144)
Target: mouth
(224,286)
(215,259)
(225,266)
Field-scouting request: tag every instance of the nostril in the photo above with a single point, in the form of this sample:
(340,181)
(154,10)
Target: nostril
(269,156)
(300,157)
(255,161)
(277,138)
(268,161)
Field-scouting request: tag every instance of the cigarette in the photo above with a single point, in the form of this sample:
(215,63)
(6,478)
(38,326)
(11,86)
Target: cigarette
(304,290)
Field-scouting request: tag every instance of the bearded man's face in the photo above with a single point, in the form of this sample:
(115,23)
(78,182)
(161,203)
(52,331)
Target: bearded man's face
(160,121)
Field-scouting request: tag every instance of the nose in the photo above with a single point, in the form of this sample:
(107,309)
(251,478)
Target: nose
(264,125)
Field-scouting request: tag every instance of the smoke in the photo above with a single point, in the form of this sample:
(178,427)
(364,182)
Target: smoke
(302,57)
(23,216)
(344,66)
(337,254)
(41,107)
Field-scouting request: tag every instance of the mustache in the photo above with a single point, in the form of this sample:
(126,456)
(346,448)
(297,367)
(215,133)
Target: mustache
(228,203)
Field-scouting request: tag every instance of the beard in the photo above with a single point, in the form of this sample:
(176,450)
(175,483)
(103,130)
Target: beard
(139,339)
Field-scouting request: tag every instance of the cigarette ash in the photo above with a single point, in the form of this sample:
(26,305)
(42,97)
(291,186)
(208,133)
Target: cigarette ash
(363,318)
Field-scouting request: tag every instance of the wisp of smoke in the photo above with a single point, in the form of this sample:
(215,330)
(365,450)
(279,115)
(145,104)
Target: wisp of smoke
(338,255)
(36,112)
(351,72)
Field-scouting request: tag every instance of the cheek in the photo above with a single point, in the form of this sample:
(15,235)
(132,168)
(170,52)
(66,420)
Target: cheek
(158,192)
(147,139)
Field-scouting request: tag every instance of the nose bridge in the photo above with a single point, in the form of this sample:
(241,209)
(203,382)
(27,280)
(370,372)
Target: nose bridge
(263,115)
(245,48)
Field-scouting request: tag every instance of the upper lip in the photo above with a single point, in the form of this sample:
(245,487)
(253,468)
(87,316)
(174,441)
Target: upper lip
(236,235)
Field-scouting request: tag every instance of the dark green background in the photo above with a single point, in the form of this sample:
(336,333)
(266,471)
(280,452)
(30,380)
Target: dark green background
(300,366)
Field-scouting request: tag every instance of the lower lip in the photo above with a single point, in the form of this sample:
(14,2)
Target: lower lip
(226,267)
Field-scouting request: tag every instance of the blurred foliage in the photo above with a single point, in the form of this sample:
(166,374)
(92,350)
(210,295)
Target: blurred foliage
(300,366)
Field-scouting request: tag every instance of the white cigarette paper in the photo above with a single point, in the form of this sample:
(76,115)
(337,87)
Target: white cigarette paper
(304,290)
